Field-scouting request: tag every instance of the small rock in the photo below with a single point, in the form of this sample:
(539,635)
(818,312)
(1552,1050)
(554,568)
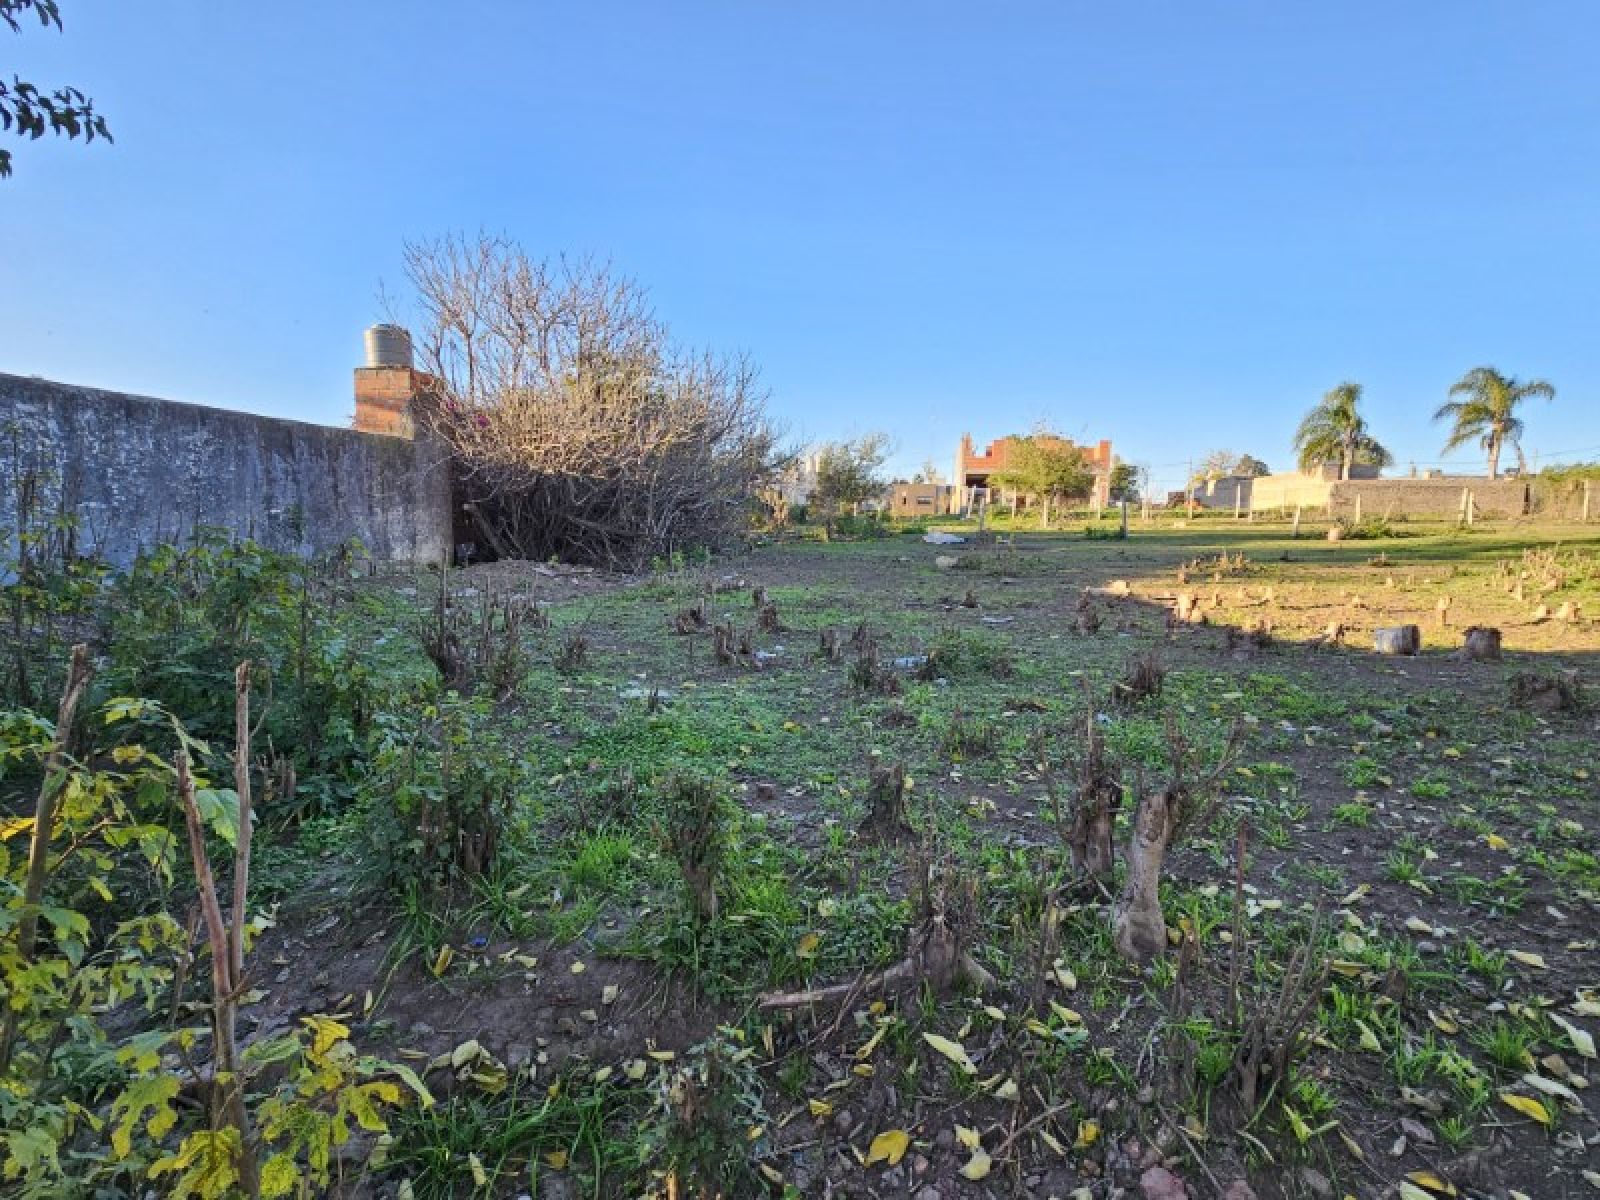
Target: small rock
(1316,1182)
(422,1030)
(1238,1190)
(928,1192)
(843,1122)
(1416,1131)
(1158,1183)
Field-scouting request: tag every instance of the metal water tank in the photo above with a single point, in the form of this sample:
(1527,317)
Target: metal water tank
(388,346)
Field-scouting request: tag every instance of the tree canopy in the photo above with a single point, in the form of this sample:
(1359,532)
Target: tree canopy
(1226,462)
(32,112)
(1335,431)
(847,472)
(1047,466)
(1485,411)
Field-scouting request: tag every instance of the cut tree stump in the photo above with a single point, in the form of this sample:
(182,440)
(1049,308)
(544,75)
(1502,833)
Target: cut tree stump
(1482,644)
(1397,639)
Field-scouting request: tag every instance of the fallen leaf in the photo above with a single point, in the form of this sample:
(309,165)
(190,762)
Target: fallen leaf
(446,953)
(1088,1134)
(807,946)
(1527,1106)
(1434,1183)
(819,1108)
(954,1051)
(978,1165)
(1527,958)
(1582,1041)
(889,1147)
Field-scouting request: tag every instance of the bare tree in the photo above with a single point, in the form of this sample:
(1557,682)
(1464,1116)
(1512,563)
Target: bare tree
(578,429)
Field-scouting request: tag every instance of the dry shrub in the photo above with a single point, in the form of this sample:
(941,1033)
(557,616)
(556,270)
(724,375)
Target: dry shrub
(482,645)
(767,620)
(694,831)
(1142,680)
(575,426)
(830,645)
(1537,692)
(887,789)
(573,654)
(691,619)
(868,673)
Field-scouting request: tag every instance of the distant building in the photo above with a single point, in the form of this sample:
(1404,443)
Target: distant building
(920,499)
(973,469)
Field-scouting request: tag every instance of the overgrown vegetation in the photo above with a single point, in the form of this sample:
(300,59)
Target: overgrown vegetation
(910,870)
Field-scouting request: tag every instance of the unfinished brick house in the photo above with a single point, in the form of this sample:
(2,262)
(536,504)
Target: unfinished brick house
(973,469)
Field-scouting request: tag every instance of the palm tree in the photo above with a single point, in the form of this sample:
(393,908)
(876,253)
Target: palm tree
(1489,412)
(1335,431)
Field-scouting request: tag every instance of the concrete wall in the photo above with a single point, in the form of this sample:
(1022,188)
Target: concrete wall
(138,471)
(1429,497)
(1289,490)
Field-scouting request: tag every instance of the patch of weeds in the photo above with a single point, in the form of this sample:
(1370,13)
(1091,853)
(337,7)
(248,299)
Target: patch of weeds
(969,737)
(968,654)
(1364,773)
(590,1128)
(1429,788)
(1357,814)
(699,1141)
(1508,1044)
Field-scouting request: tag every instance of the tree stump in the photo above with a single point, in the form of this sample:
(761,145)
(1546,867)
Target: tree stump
(1188,610)
(1397,639)
(1482,644)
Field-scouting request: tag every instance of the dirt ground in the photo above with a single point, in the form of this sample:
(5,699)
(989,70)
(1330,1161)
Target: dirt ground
(1426,841)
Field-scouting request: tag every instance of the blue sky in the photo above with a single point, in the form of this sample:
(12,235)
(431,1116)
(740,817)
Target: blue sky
(1171,224)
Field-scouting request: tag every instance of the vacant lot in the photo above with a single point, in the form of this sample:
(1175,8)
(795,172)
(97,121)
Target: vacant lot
(1382,968)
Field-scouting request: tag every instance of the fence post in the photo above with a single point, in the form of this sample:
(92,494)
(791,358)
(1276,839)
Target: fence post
(1586,487)
(1472,507)
(1358,508)
(1296,532)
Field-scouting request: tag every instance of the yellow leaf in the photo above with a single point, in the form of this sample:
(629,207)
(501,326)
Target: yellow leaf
(1527,1106)
(1582,1041)
(480,1177)
(557,1159)
(1410,1191)
(1443,1024)
(1495,842)
(446,953)
(954,1051)
(325,1032)
(978,1165)
(1369,1040)
(819,1108)
(807,947)
(771,1174)
(889,1147)
(1088,1135)
(1527,958)
(1432,1182)
(968,1137)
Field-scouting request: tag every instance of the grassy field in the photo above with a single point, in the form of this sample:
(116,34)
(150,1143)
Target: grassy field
(1382,921)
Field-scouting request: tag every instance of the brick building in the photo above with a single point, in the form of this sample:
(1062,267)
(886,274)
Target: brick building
(973,469)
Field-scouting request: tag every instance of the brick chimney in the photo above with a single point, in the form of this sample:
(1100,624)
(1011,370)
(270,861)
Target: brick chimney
(387,384)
